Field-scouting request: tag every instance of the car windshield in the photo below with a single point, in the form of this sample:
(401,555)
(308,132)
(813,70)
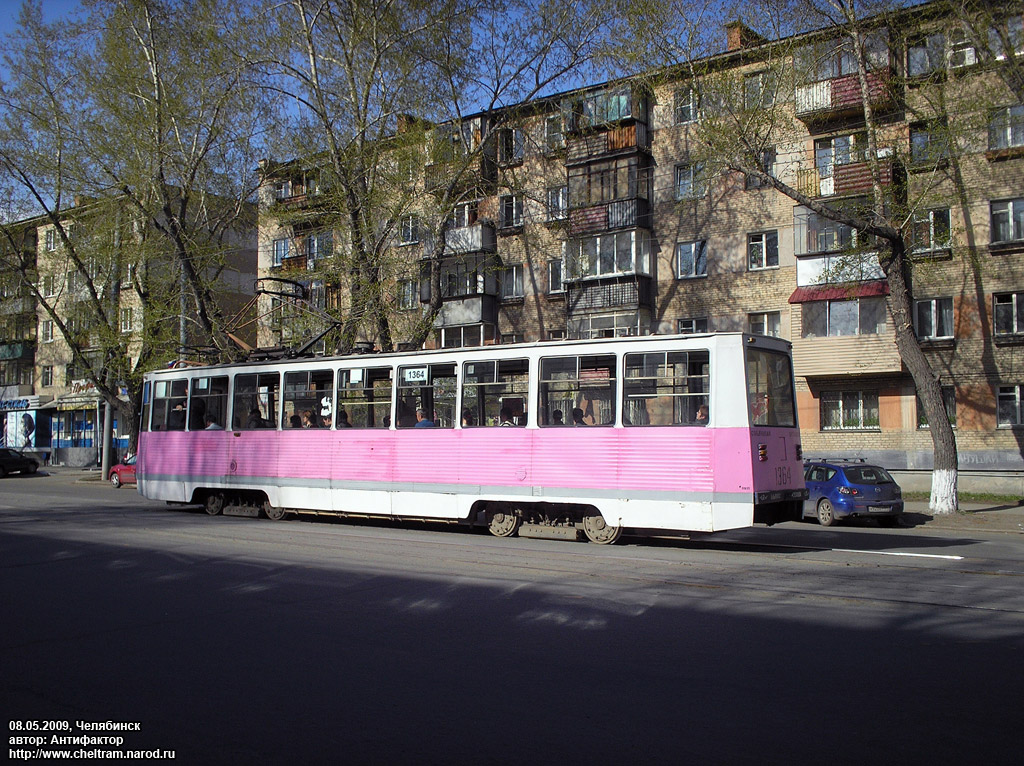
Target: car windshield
(867,474)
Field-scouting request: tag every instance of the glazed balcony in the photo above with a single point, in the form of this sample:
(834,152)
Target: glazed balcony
(477,238)
(625,291)
(618,139)
(617,214)
(22,349)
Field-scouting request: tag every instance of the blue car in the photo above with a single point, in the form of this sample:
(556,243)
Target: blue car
(839,489)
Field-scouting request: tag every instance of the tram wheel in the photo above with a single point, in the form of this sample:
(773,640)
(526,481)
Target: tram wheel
(274,512)
(598,531)
(214,503)
(502,523)
(826,513)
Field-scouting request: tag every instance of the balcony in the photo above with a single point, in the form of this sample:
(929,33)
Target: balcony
(464,174)
(842,180)
(621,139)
(618,214)
(24,349)
(467,309)
(841,96)
(619,292)
(478,238)
(18,306)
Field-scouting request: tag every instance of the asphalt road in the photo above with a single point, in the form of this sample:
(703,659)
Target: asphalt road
(233,640)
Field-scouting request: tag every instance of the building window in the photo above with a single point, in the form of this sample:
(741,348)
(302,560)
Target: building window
(51,239)
(465,335)
(282,250)
(685,105)
(1010,403)
(617,325)
(691,259)
(765,323)
(933,319)
(926,55)
(815,233)
(961,52)
(511,142)
(929,143)
(126,319)
(46,376)
(558,203)
(692,325)
(759,90)
(46,331)
(1008,310)
(948,401)
(690,181)
(766,164)
(1007,221)
(555,284)
(554,133)
(408,294)
(931,231)
(763,250)
(511,337)
(556,334)
(282,190)
(857,316)
(409,230)
(512,282)
(624,252)
(849,410)
(464,214)
(49,286)
(1006,128)
(1012,31)
(511,211)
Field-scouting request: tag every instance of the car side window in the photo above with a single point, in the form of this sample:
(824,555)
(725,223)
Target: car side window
(829,473)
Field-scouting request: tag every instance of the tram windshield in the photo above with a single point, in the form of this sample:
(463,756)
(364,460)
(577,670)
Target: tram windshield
(770,388)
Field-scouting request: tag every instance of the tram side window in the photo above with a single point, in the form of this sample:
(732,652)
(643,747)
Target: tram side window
(209,403)
(666,389)
(307,399)
(426,395)
(147,405)
(170,398)
(255,402)
(577,390)
(494,392)
(770,388)
(364,398)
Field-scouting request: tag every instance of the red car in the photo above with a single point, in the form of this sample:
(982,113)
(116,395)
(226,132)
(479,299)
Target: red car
(123,473)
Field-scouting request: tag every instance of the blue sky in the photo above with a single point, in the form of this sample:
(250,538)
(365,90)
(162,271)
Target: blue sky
(52,9)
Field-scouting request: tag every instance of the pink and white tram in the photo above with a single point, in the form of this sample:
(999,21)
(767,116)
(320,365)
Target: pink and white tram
(694,433)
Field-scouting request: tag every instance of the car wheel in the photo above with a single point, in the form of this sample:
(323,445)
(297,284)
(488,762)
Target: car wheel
(826,513)
(3,471)
(31,468)
(115,480)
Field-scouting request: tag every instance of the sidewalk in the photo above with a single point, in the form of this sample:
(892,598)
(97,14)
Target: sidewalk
(972,517)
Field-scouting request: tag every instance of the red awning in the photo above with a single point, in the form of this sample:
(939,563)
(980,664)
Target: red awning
(839,292)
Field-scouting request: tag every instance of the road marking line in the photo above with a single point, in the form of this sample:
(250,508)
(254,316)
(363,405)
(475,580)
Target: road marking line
(895,553)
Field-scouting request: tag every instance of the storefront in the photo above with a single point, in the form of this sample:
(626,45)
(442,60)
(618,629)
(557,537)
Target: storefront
(76,427)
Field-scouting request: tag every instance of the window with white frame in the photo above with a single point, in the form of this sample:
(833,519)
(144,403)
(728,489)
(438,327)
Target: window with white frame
(623,252)
(49,286)
(282,250)
(512,282)
(554,133)
(692,325)
(597,182)
(931,231)
(408,294)
(926,55)
(1007,221)
(961,50)
(558,202)
(510,211)
(555,284)
(765,323)
(759,90)
(1008,312)
(409,230)
(126,319)
(464,214)
(51,239)
(46,331)
(282,190)
(690,181)
(685,105)
(841,318)
(691,259)
(933,318)
(849,410)
(556,333)
(318,246)
(1006,127)
(929,143)
(763,250)
(46,375)
(511,144)
(815,233)
(1007,34)
(830,153)
(766,164)
(1010,406)
(948,402)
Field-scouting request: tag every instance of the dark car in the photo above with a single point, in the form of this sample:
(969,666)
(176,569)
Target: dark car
(12,461)
(840,489)
(123,473)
